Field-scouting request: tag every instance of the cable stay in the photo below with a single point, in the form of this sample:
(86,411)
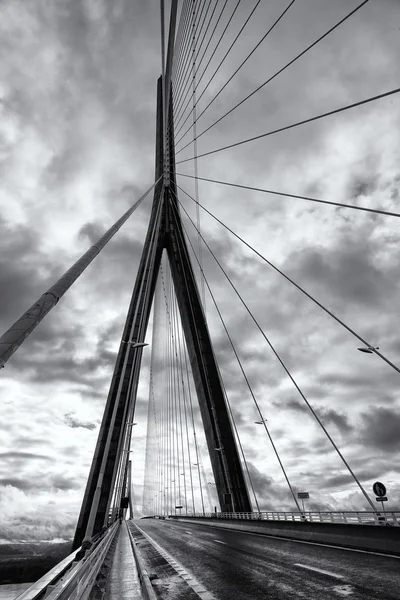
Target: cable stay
(293,125)
(190,406)
(302,290)
(209,41)
(284,367)
(180,41)
(180,44)
(186,87)
(241,64)
(215,72)
(248,386)
(15,336)
(206,31)
(196,172)
(169,481)
(193,30)
(286,195)
(280,71)
(221,37)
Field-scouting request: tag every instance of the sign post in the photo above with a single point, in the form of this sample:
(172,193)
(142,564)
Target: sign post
(380,491)
(302,496)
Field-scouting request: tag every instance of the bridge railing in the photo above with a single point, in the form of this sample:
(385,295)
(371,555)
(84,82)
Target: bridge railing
(70,578)
(350,517)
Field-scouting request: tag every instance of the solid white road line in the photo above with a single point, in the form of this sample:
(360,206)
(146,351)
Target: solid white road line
(180,569)
(319,571)
(219,542)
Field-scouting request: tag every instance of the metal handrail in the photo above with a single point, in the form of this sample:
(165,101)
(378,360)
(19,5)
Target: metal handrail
(39,587)
(79,579)
(349,517)
(78,583)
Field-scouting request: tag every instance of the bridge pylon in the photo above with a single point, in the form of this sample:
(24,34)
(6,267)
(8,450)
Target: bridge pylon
(165,233)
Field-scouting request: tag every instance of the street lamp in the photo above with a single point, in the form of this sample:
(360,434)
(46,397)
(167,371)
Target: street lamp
(368,349)
(134,344)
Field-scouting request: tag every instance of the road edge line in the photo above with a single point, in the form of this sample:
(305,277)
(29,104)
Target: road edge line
(185,575)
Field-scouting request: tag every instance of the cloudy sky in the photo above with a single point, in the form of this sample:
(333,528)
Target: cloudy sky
(77,128)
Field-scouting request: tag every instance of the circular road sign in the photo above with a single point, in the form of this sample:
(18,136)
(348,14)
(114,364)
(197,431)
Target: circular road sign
(379,489)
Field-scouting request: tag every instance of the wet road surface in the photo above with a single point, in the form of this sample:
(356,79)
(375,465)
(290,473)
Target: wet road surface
(234,565)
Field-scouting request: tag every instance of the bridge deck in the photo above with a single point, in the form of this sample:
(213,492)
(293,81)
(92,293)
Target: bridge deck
(247,566)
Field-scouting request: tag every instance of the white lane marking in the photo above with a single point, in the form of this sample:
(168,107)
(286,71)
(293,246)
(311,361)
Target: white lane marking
(284,539)
(219,542)
(180,569)
(189,532)
(319,570)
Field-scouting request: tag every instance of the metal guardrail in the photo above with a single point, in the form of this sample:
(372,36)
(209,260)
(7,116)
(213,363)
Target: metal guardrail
(72,579)
(338,517)
(38,588)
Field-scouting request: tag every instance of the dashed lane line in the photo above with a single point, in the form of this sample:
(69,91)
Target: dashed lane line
(310,568)
(220,542)
(180,569)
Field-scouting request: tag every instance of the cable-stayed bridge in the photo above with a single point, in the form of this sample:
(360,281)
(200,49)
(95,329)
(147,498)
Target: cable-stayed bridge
(207,532)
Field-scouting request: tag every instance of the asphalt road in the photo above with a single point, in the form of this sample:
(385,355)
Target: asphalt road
(244,566)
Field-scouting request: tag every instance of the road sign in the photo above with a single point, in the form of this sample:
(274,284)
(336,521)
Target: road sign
(379,489)
(178,506)
(381,499)
(304,495)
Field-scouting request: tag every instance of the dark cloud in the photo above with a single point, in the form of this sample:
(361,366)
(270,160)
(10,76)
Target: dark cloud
(335,270)
(327,415)
(74,422)
(21,284)
(381,428)
(21,484)
(23,456)
(363,187)
(63,483)
(77,145)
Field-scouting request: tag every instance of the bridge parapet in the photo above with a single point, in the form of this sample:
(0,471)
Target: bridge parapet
(338,517)
(350,534)
(72,578)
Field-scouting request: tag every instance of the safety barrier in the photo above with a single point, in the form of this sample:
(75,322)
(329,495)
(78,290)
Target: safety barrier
(350,534)
(72,579)
(339,517)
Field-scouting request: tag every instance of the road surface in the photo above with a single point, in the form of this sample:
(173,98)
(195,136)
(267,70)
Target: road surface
(245,566)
